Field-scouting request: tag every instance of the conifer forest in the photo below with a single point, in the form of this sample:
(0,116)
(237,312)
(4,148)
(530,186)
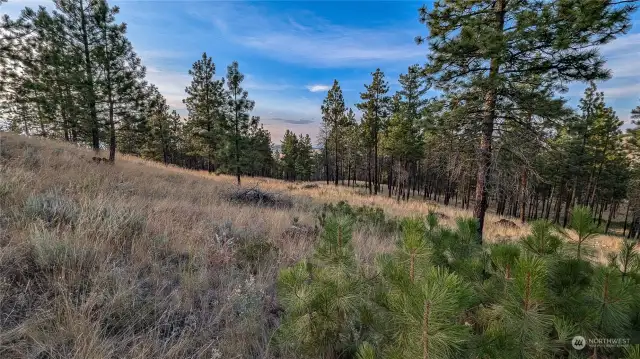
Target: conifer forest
(473,213)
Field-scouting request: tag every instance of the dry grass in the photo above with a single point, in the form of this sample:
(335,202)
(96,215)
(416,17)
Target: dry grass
(139,260)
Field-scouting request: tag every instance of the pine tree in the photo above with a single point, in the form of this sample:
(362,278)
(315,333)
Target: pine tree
(163,129)
(582,224)
(353,146)
(323,141)
(30,90)
(289,155)
(79,20)
(121,69)
(131,134)
(414,88)
(494,45)
(207,105)
(240,106)
(375,108)
(324,298)
(14,41)
(304,157)
(334,117)
(403,135)
(258,156)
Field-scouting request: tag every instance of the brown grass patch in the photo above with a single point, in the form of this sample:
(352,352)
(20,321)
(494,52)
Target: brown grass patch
(141,260)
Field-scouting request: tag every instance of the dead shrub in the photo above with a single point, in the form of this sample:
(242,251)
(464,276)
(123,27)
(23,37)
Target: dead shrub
(257,197)
(506,223)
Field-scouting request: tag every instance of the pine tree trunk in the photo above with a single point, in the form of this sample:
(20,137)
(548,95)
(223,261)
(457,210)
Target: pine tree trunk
(90,93)
(609,218)
(24,120)
(469,189)
(376,185)
(73,122)
(597,179)
(210,168)
(569,201)
(342,168)
(546,202)
(390,176)
(602,205)
(484,156)
(416,179)
(237,141)
(43,131)
(326,160)
(112,126)
(556,217)
(335,180)
(426,186)
(523,195)
(626,218)
(112,136)
(65,117)
(369,173)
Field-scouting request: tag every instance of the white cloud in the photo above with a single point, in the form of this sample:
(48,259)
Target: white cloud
(622,91)
(160,54)
(318,88)
(252,83)
(622,56)
(314,41)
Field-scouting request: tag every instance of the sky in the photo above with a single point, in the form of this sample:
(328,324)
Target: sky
(291,51)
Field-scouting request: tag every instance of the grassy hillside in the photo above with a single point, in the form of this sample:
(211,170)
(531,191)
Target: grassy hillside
(138,260)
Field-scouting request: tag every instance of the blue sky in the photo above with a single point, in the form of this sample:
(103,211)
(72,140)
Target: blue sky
(290,51)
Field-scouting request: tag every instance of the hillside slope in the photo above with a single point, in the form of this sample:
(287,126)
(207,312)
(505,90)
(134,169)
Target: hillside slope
(138,260)
(131,260)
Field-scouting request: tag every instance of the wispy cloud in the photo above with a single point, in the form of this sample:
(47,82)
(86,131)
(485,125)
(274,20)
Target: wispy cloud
(313,41)
(253,83)
(621,91)
(318,88)
(622,56)
(159,54)
(282,111)
(301,121)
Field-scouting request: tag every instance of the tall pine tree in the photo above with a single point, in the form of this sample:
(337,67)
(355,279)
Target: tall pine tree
(375,108)
(206,102)
(494,45)
(334,117)
(239,106)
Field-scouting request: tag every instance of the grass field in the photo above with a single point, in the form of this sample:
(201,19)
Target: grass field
(139,260)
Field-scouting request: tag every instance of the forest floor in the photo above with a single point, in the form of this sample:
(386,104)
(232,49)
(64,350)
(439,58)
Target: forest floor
(139,260)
